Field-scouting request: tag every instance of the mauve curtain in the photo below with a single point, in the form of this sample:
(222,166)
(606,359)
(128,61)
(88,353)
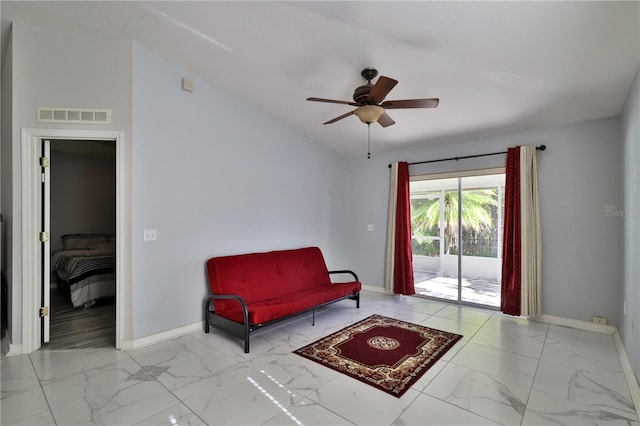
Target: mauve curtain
(521,250)
(511,282)
(399,262)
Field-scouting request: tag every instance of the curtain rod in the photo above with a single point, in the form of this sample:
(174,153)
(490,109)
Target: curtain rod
(539,148)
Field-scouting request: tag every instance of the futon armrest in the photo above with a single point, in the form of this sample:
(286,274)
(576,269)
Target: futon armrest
(243,304)
(345,271)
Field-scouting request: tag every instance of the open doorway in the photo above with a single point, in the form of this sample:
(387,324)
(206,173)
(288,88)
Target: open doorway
(82,217)
(31,263)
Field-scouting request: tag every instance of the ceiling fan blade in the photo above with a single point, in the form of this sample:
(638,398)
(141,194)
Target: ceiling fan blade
(339,118)
(332,101)
(385,120)
(380,90)
(411,103)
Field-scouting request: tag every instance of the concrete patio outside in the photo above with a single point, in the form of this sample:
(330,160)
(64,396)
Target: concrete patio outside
(445,286)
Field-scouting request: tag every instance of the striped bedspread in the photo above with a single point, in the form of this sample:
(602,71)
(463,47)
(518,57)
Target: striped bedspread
(75,265)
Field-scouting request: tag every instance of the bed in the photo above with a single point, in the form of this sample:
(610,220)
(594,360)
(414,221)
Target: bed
(86,265)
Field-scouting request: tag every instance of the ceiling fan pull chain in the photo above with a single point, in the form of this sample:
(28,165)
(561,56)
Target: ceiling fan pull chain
(368,140)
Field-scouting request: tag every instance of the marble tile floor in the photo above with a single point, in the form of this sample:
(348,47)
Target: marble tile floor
(505,371)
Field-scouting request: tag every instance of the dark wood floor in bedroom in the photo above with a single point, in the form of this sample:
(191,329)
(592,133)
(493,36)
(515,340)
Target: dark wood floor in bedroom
(73,328)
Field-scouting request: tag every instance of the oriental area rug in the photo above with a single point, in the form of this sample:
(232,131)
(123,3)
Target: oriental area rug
(385,353)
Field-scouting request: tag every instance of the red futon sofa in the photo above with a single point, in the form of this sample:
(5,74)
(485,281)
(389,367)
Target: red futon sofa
(249,291)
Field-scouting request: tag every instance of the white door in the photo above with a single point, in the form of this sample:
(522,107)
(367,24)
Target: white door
(45,254)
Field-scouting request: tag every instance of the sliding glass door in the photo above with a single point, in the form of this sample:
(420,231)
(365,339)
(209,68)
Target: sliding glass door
(456,232)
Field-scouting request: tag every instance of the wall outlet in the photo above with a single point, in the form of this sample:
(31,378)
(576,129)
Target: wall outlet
(600,320)
(150,234)
(370,227)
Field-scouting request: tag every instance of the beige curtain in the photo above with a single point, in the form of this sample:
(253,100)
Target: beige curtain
(391,229)
(531,272)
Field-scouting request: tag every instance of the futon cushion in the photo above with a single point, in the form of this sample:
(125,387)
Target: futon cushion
(273,284)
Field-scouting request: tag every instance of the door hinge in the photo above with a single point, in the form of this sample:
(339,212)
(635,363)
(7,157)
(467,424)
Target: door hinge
(44,162)
(44,311)
(44,237)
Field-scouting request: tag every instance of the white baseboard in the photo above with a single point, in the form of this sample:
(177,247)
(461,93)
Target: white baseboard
(130,345)
(376,289)
(14,350)
(574,323)
(629,374)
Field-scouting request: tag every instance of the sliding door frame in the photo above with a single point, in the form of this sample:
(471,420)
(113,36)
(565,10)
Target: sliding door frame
(459,175)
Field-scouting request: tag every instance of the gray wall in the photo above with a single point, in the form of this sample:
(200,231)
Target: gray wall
(578,178)
(629,321)
(214,176)
(57,68)
(83,195)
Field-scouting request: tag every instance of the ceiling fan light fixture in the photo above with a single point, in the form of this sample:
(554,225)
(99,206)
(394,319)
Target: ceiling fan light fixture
(369,113)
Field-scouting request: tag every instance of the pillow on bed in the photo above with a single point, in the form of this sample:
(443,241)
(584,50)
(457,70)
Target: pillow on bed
(103,246)
(82,241)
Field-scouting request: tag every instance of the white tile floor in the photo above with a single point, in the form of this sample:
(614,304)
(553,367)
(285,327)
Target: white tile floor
(504,371)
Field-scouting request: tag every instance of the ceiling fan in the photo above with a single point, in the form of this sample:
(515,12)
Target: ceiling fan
(370,103)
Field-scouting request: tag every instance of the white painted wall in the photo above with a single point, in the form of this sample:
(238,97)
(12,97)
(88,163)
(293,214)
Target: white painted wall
(578,177)
(214,176)
(57,68)
(629,322)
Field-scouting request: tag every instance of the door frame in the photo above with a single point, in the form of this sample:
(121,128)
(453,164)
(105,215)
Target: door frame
(31,224)
(45,248)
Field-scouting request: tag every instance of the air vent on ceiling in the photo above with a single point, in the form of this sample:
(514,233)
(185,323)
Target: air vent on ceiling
(74,115)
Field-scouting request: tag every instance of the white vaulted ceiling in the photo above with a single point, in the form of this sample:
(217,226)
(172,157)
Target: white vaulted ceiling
(496,66)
